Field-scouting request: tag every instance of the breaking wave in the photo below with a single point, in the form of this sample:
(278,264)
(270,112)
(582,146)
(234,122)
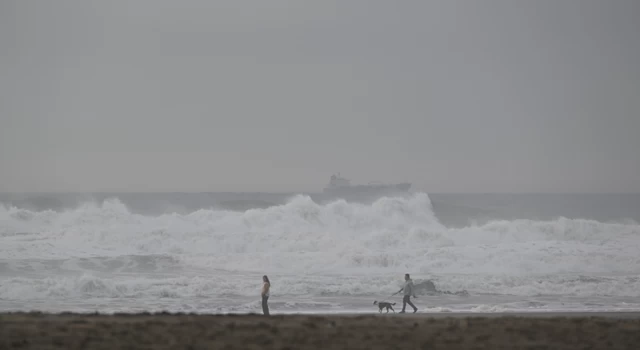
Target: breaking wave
(337,248)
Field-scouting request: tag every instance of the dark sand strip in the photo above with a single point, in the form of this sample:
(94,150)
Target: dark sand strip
(411,331)
(542,314)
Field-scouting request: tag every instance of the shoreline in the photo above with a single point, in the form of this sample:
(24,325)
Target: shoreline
(447,330)
(447,314)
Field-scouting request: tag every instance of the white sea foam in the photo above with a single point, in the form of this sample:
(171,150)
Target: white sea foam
(103,250)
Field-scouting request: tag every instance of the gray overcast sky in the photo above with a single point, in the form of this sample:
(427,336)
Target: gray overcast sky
(206,95)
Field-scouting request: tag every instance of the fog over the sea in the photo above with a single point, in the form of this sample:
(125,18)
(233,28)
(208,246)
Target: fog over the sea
(196,95)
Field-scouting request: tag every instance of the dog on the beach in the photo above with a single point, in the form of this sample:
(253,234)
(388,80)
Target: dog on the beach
(383,305)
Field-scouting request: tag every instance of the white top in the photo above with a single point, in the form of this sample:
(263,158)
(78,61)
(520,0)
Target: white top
(408,287)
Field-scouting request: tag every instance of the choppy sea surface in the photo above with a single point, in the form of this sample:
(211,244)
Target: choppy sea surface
(207,252)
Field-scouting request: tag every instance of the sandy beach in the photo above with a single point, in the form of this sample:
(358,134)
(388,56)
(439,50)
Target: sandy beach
(419,331)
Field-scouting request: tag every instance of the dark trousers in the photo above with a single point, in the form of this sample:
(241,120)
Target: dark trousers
(265,306)
(407,300)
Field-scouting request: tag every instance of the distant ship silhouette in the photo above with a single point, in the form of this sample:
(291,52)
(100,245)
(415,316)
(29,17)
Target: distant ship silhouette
(341,186)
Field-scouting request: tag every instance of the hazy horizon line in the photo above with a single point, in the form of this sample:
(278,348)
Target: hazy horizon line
(310,192)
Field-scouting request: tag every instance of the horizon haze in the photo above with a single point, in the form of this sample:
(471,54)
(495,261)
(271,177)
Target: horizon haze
(205,96)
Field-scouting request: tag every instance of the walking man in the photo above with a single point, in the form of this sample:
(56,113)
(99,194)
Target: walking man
(408,293)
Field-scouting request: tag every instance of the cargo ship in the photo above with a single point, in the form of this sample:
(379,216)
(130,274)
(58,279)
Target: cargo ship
(340,186)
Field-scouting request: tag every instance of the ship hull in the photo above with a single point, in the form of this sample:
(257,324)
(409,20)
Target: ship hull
(367,189)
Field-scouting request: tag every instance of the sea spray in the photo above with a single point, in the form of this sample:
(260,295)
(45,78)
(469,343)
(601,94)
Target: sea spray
(104,250)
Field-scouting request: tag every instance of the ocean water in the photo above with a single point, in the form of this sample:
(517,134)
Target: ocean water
(206,253)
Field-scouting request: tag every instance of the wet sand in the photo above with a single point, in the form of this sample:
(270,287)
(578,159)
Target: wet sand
(409,331)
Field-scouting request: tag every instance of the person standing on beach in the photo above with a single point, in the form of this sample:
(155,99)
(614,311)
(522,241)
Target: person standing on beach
(408,292)
(266,286)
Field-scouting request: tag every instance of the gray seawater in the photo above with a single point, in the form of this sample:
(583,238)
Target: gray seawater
(206,252)
(455,210)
